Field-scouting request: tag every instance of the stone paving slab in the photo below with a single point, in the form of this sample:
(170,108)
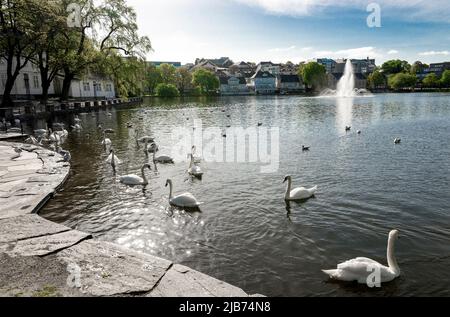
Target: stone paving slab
(181,281)
(35,277)
(26,227)
(47,244)
(10,135)
(108,269)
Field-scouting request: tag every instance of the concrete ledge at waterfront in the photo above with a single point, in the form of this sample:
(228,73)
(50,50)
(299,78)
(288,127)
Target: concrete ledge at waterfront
(41,258)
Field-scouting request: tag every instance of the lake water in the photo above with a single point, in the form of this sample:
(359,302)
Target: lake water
(245,234)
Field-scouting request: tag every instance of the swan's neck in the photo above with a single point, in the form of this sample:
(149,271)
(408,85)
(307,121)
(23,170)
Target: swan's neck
(113,161)
(170,190)
(192,161)
(288,189)
(392,261)
(143,176)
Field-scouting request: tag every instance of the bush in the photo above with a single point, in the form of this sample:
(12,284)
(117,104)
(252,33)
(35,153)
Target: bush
(167,90)
(402,80)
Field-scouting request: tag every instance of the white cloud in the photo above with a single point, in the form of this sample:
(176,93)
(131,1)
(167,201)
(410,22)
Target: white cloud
(434,53)
(359,52)
(392,52)
(283,49)
(436,10)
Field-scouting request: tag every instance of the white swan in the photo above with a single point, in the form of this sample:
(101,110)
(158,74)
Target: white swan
(54,137)
(197,159)
(163,159)
(113,159)
(194,169)
(134,180)
(106,141)
(143,139)
(186,200)
(153,148)
(299,193)
(360,268)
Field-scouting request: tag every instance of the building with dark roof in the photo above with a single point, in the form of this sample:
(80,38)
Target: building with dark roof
(233,85)
(290,84)
(263,82)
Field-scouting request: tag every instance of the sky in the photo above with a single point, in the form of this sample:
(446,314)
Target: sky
(295,30)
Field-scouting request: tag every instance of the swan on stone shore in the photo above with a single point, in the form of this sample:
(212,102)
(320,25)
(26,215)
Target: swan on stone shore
(359,269)
(134,180)
(299,193)
(186,200)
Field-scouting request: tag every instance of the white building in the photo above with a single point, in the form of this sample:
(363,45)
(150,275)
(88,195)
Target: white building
(28,85)
(263,83)
(233,85)
(269,67)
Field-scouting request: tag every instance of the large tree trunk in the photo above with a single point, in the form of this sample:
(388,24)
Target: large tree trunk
(45,87)
(66,85)
(9,85)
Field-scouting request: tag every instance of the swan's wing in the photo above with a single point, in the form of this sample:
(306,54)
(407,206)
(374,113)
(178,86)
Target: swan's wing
(300,193)
(131,179)
(185,200)
(359,266)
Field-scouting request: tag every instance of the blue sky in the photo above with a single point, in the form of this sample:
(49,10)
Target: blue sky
(294,30)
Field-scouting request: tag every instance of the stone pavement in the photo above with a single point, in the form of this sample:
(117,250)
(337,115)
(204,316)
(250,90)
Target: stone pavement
(41,258)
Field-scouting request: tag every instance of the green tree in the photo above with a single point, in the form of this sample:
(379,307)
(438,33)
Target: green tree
(431,81)
(18,34)
(153,78)
(445,79)
(183,79)
(206,81)
(167,73)
(418,67)
(313,74)
(376,79)
(402,80)
(395,66)
(167,90)
(106,28)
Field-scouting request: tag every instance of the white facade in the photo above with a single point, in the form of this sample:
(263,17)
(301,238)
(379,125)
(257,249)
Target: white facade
(28,84)
(263,83)
(92,88)
(232,85)
(269,67)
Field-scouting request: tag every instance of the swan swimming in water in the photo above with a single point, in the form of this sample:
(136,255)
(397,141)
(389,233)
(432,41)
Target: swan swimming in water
(162,159)
(134,180)
(186,200)
(359,269)
(299,193)
(197,159)
(113,159)
(106,141)
(194,170)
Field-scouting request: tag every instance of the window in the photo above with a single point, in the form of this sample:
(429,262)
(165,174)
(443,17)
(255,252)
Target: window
(35,82)
(86,86)
(108,87)
(98,87)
